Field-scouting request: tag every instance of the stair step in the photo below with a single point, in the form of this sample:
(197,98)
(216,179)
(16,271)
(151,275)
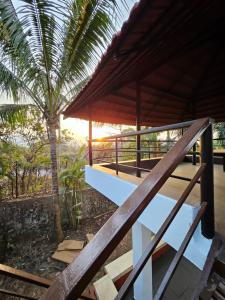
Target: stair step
(105,288)
(124,264)
(120,266)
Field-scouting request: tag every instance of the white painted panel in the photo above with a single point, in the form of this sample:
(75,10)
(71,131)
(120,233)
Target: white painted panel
(117,190)
(141,237)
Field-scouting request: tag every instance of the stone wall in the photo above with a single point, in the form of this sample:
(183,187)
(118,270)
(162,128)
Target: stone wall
(94,203)
(33,218)
(26,219)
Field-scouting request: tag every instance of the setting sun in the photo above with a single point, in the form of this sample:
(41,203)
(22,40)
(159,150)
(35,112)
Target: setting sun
(80,128)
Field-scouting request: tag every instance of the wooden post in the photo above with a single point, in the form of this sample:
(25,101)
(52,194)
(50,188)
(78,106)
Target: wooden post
(194,156)
(90,144)
(141,237)
(138,127)
(207,185)
(116,148)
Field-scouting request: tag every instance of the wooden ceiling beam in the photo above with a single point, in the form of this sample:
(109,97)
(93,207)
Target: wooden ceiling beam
(148,106)
(159,92)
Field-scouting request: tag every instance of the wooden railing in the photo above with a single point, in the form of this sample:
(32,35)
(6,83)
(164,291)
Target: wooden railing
(74,279)
(141,147)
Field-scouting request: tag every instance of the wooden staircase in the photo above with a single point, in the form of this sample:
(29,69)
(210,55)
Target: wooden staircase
(117,272)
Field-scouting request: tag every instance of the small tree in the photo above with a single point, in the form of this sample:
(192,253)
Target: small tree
(72,179)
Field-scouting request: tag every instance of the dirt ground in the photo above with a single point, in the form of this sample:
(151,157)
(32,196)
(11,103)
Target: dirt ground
(35,257)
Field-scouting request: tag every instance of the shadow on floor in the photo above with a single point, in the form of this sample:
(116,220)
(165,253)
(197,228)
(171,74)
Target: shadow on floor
(184,280)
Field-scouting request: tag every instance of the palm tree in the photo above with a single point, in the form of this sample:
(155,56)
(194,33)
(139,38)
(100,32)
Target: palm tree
(47,48)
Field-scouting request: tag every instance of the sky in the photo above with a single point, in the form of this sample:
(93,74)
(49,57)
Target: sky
(80,127)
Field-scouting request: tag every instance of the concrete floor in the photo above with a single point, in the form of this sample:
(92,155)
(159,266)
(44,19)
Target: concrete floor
(184,280)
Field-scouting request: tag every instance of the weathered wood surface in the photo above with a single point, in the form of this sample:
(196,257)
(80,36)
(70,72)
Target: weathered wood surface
(66,256)
(24,276)
(16,295)
(105,288)
(70,245)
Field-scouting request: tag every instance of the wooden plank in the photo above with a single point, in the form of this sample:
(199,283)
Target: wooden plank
(24,276)
(16,295)
(105,288)
(89,236)
(124,264)
(89,293)
(120,266)
(66,256)
(70,245)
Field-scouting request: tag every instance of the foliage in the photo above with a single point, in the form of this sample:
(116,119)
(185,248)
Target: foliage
(47,48)
(219,129)
(25,155)
(72,179)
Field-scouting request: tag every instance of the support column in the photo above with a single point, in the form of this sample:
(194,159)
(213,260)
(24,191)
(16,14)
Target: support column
(141,237)
(138,127)
(194,156)
(207,186)
(90,144)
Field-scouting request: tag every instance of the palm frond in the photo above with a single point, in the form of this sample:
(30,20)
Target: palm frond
(14,86)
(48,47)
(12,113)
(13,39)
(88,29)
(41,19)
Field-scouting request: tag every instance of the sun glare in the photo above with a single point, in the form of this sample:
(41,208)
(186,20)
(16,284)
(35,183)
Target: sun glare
(80,129)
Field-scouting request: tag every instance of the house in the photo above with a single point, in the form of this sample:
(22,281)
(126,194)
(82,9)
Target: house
(165,71)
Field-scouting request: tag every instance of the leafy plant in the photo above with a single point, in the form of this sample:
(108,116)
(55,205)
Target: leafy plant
(73,182)
(219,129)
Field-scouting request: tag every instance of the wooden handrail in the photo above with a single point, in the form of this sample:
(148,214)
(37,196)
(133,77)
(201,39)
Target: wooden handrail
(147,131)
(149,170)
(158,236)
(73,280)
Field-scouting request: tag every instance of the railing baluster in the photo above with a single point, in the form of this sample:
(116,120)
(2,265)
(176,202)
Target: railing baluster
(156,239)
(90,144)
(138,156)
(179,254)
(207,186)
(194,157)
(117,166)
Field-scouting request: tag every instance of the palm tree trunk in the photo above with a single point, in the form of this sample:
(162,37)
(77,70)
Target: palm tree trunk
(55,184)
